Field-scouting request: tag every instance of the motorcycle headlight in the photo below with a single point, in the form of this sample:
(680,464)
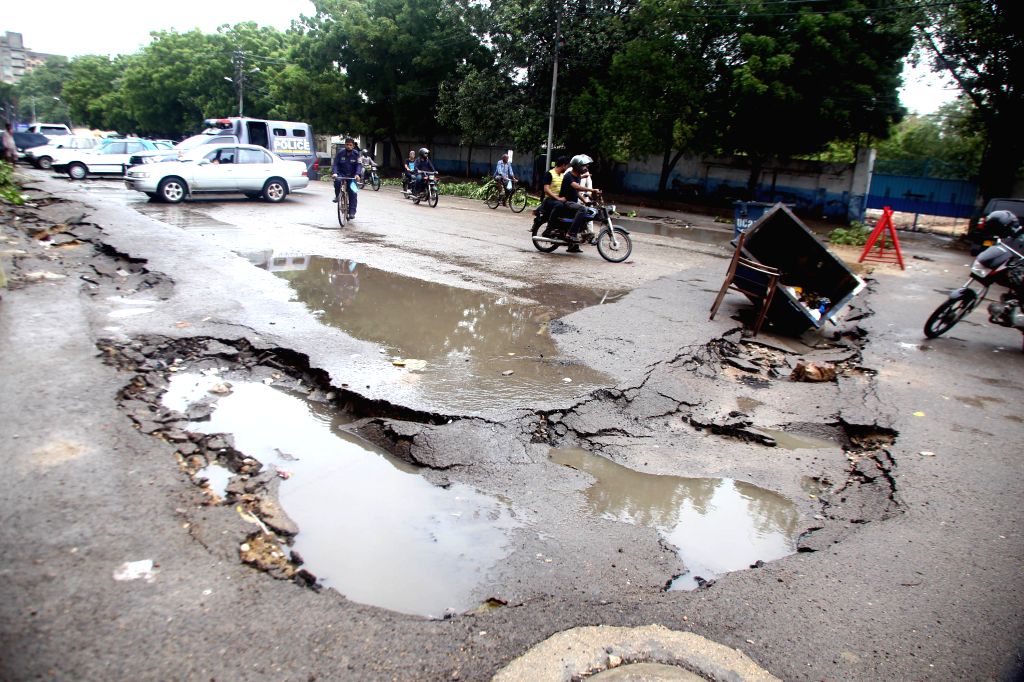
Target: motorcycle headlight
(979,270)
(611,208)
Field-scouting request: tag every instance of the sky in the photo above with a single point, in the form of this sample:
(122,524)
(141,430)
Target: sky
(77,27)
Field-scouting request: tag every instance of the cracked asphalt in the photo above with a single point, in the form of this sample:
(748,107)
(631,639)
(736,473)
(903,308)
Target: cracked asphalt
(909,557)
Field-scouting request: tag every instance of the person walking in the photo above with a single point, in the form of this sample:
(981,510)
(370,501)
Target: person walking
(10,149)
(346,165)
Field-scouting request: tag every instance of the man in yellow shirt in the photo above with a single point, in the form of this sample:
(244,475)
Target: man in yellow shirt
(552,185)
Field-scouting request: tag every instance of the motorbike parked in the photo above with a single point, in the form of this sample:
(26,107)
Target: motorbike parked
(429,193)
(612,242)
(992,266)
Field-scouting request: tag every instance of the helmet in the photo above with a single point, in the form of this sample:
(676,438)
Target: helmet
(1003,222)
(580,160)
(424,152)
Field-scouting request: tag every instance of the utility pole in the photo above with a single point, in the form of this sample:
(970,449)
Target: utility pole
(239,59)
(554,88)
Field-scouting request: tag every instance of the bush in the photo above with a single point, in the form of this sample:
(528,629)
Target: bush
(855,235)
(9,191)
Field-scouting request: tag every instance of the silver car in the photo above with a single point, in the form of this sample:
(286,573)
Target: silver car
(226,168)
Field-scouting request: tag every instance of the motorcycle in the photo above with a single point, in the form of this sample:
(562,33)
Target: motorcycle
(992,266)
(612,242)
(429,193)
(371,174)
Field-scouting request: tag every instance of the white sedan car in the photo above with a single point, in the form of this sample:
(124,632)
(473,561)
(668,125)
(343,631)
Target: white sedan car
(217,169)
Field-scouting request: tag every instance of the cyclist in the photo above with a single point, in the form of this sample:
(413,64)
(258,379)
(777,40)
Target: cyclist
(505,176)
(552,185)
(346,165)
(423,165)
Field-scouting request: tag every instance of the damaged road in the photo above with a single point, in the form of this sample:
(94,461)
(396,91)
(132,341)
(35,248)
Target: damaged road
(900,564)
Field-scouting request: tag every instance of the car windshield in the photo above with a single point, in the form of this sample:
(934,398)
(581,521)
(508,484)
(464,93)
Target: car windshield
(201,139)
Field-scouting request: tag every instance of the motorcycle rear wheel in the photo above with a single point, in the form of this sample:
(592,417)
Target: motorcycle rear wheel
(543,247)
(947,315)
(614,251)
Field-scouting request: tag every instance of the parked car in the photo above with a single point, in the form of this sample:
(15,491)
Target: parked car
(42,156)
(26,141)
(982,236)
(221,168)
(50,129)
(110,158)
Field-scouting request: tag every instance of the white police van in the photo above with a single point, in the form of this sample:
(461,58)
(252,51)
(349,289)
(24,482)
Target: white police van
(291,140)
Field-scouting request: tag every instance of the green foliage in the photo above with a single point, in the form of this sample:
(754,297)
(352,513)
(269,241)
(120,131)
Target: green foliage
(978,43)
(9,191)
(944,145)
(855,235)
(40,92)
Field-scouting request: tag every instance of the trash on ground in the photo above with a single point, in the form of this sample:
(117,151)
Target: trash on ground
(136,570)
(811,371)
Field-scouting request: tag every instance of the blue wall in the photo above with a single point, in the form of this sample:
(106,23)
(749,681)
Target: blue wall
(930,196)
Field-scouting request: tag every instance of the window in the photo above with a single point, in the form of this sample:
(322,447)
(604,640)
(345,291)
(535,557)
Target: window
(132,147)
(253,156)
(114,148)
(280,132)
(298,132)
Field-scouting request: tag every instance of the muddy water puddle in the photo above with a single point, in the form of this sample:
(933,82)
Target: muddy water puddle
(717,525)
(370,526)
(481,350)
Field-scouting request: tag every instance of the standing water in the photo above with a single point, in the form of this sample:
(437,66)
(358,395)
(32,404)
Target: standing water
(717,524)
(369,525)
(481,350)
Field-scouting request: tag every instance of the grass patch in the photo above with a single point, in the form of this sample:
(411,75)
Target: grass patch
(9,191)
(855,235)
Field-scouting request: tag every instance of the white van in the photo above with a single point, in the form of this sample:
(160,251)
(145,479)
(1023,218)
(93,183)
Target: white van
(291,140)
(49,129)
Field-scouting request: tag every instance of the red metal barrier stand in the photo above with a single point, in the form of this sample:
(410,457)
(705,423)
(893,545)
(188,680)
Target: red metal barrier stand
(883,256)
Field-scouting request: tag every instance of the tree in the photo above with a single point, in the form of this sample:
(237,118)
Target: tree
(39,92)
(805,73)
(92,91)
(979,44)
(946,144)
(394,55)
(657,99)
(476,103)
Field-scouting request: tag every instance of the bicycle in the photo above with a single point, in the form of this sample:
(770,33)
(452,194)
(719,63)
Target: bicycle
(343,202)
(516,199)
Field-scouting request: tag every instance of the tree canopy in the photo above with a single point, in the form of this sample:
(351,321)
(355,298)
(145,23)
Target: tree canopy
(978,43)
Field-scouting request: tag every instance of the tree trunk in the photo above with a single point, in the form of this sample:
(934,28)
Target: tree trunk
(1001,159)
(469,161)
(668,164)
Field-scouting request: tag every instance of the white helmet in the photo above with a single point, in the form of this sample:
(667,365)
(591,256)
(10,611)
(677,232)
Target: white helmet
(580,160)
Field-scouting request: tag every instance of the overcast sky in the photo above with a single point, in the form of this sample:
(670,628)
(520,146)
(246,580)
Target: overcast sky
(77,27)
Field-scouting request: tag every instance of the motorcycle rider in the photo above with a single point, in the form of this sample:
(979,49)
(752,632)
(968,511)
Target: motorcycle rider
(423,165)
(409,171)
(346,165)
(570,193)
(552,185)
(1009,225)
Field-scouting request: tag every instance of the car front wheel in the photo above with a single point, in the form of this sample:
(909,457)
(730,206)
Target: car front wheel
(77,171)
(172,190)
(275,190)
